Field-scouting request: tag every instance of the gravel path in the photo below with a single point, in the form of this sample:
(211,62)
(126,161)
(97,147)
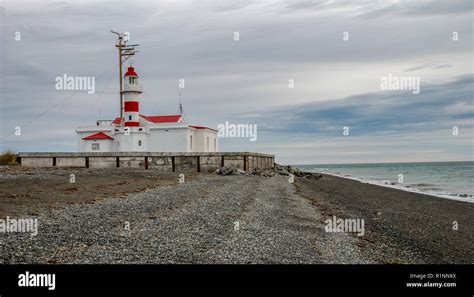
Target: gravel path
(194,222)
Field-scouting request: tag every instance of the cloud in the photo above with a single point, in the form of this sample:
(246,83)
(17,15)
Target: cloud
(337,81)
(383,126)
(381,8)
(428,8)
(428,65)
(436,107)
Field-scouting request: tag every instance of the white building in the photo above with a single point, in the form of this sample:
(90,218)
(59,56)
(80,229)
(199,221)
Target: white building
(136,132)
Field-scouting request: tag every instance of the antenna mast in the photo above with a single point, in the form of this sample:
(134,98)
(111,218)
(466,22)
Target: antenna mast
(180,108)
(125,51)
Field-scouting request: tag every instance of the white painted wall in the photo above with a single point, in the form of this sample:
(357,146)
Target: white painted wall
(202,136)
(174,137)
(169,140)
(85,145)
(105,145)
(131,142)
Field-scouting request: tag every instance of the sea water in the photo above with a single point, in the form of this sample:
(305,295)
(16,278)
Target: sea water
(453,180)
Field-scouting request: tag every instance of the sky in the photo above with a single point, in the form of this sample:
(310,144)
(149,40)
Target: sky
(306,73)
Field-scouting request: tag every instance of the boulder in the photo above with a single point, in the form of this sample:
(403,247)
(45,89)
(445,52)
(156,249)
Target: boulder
(269,172)
(227,171)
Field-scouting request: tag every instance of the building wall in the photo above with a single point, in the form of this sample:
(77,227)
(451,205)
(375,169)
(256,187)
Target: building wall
(81,132)
(201,136)
(168,140)
(213,146)
(105,145)
(190,141)
(130,142)
(176,137)
(198,140)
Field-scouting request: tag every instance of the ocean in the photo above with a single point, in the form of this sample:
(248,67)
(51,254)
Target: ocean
(452,180)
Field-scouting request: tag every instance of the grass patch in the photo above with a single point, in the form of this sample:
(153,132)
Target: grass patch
(8,158)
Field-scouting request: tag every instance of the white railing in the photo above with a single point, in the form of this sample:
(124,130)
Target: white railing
(104,122)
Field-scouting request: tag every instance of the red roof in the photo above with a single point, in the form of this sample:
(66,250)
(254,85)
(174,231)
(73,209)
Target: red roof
(99,135)
(155,119)
(162,119)
(201,127)
(117,121)
(131,72)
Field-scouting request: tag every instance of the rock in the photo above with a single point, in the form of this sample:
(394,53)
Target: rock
(230,171)
(312,175)
(240,171)
(227,171)
(270,172)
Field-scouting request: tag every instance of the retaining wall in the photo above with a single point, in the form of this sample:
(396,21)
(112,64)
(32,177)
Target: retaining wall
(165,162)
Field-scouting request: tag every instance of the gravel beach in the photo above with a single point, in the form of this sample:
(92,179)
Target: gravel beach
(401,227)
(232,219)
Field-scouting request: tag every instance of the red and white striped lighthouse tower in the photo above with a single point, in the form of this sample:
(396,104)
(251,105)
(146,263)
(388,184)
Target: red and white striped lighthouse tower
(131,94)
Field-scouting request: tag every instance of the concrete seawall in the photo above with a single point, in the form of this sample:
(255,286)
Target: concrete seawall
(166,162)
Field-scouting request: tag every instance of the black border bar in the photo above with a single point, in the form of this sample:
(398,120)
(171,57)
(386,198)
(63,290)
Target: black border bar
(247,276)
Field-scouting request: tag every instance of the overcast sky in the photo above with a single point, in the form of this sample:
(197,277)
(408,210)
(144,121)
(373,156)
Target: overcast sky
(337,82)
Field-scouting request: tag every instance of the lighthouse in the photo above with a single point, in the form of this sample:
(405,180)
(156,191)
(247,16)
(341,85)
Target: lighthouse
(135,132)
(131,95)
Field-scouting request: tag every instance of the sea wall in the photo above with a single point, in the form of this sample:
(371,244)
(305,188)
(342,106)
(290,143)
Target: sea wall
(165,162)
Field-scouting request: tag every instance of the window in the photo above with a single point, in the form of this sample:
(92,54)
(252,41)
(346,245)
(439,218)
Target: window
(191,142)
(95,147)
(208,144)
(129,117)
(139,143)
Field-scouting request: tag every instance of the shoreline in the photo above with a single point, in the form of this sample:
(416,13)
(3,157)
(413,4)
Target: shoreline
(402,188)
(401,226)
